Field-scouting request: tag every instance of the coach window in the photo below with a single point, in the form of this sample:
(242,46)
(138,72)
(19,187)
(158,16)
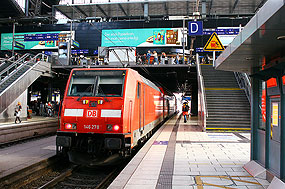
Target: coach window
(138,90)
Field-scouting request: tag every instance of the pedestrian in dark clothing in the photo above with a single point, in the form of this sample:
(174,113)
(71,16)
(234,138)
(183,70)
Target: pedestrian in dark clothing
(18,112)
(185,109)
(148,55)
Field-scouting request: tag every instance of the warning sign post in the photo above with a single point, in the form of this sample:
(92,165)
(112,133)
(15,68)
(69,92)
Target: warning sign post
(214,44)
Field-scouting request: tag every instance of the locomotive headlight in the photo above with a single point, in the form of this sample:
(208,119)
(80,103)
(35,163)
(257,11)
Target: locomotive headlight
(70,126)
(116,127)
(112,127)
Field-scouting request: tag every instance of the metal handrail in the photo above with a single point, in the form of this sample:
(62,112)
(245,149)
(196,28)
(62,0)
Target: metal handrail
(21,63)
(201,86)
(15,64)
(244,83)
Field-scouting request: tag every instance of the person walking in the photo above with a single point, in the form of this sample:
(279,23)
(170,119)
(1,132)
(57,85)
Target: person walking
(148,55)
(185,109)
(18,112)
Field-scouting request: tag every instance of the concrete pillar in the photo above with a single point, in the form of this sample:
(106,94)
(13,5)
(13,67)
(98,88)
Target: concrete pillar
(254,118)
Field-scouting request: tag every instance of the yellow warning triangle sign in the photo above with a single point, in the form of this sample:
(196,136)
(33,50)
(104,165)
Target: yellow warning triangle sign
(214,44)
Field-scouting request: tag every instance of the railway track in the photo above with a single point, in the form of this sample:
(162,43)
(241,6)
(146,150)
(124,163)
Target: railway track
(59,173)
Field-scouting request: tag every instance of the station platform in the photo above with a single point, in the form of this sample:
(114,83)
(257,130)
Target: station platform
(20,156)
(32,120)
(180,156)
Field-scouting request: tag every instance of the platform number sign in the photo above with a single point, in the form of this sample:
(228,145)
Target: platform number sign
(195,28)
(91,113)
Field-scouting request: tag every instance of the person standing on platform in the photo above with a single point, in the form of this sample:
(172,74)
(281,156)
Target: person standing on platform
(155,59)
(18,112)
(163,55)
(185,109)
(148,55)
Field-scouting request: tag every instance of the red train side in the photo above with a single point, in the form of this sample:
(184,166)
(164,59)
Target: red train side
(107,112)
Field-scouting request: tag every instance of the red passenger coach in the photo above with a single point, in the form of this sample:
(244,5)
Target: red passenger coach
(107,112)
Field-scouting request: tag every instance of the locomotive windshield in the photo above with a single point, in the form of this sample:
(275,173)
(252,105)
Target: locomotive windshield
(97,83)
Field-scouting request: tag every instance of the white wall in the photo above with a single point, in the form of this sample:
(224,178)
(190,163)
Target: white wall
(8,114)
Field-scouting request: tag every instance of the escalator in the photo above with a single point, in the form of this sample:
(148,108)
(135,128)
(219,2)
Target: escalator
(17,76)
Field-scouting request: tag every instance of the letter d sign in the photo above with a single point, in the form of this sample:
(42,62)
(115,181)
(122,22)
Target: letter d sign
(195,28)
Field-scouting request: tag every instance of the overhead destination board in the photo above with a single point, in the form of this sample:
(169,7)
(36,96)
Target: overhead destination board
(41,37)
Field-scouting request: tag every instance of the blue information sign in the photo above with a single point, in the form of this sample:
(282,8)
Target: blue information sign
(80,51)
(41,37)
(195,28)
(221,31)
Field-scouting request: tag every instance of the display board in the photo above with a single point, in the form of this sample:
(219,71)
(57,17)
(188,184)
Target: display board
(34,40)
(142,37)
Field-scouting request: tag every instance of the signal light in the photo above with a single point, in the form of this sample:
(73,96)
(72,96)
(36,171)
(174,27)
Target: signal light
(70,126)
(116,127)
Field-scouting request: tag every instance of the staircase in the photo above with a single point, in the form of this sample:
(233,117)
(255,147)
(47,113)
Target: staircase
(227,104)
(16,77)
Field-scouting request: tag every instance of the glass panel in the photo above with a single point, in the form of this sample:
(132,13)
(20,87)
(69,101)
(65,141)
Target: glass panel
(110,86)
(82,87)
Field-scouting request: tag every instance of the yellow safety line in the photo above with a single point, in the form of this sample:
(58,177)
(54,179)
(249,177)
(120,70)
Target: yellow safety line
(199,182)
(223,89)
(243,181)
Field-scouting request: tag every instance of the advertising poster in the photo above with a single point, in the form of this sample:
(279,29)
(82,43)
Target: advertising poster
(35,41)
(275,114)
(149,37)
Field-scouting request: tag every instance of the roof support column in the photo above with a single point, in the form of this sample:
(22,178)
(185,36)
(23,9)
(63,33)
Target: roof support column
(282,132)
(145,11)
(204,9)
(254,117)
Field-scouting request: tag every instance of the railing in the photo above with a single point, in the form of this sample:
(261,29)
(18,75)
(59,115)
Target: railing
(244,83)
(202,105)
(17,65)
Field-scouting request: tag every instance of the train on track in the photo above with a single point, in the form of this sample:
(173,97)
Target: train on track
(105,113)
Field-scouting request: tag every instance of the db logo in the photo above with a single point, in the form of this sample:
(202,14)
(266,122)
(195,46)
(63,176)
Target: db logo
(91,113)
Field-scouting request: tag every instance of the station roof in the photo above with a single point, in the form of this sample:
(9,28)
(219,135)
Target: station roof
(10,8)
(160,8)
(262,38)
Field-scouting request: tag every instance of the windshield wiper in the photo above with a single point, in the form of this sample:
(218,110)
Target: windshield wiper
(102,92)
(80,96)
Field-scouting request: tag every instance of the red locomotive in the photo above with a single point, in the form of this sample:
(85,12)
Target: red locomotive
(107,112)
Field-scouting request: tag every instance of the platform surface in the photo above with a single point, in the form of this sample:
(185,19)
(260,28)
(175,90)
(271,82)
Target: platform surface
(19,156)
(180,156)
(34,119)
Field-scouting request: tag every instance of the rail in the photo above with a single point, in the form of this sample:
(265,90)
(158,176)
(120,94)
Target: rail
(203,112)
(244,83)
(21,62)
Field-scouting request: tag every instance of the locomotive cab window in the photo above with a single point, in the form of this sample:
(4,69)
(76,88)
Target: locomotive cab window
(82,86)
(110,86)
